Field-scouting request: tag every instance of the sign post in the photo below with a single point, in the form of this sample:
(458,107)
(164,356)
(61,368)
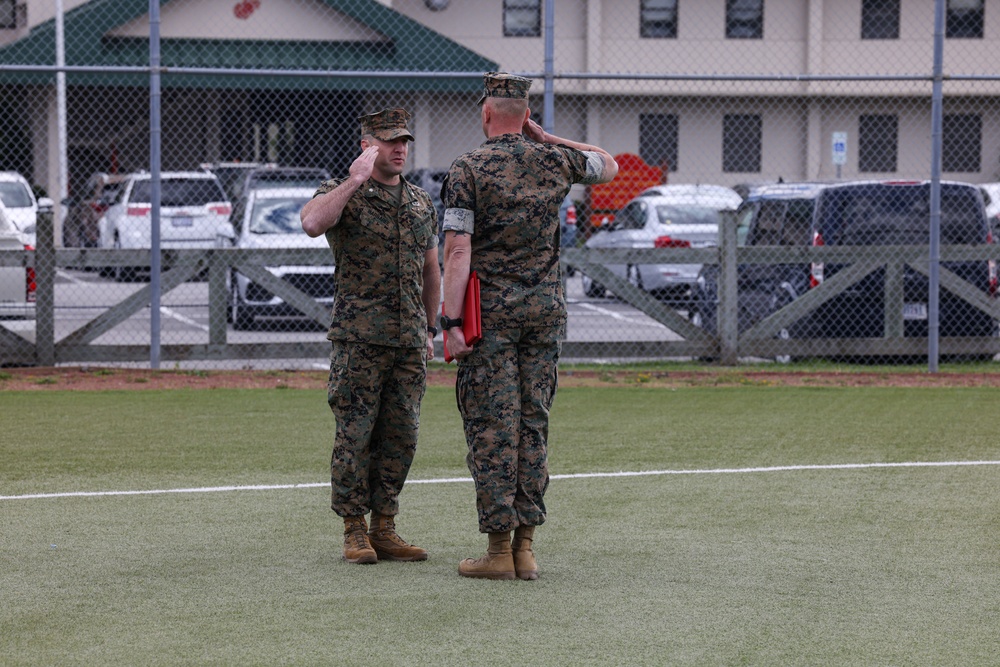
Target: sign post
(839,151)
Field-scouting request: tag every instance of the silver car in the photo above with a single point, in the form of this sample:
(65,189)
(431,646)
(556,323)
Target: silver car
(679,216)
(269,218)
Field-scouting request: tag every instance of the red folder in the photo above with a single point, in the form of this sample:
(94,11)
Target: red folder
(472,317)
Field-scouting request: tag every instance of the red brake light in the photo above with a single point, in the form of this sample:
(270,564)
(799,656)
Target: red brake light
(29,281)
(220,209)
(668,242)
(138,210)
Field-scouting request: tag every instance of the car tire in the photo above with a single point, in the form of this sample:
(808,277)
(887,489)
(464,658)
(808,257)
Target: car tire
(592,289)
(240,316)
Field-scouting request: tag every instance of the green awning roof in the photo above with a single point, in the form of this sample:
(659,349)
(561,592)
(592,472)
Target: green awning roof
(407,46)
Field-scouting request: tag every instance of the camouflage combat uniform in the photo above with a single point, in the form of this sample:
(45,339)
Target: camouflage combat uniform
(379,361)
(505,387)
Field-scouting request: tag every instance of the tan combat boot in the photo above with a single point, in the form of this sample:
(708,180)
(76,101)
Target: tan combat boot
(388,544)
(524,557)
(357,548)
(498,563)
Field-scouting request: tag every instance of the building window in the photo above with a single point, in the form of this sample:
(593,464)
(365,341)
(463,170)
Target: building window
(964,19)
(878,139)
(741,143)
(880,19)
(658,139)
(522,18)
(745,19)
(961,142)
(8,15)
(658,19)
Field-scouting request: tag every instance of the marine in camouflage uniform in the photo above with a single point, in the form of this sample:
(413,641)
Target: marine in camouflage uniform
(502,220)
(383,234)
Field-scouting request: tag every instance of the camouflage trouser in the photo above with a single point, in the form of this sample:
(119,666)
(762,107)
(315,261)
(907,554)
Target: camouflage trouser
(374,392)
(504,391)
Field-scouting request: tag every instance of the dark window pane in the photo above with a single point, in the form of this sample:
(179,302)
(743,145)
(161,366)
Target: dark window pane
(745,19)
(8,17)
(961,142)
(522,18)
(658,18)
(880,19)
(877,143)
(964,19)
(741,143)
(658,139)
(179,192)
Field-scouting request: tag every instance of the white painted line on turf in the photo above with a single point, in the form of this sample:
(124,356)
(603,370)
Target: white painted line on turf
(582,475)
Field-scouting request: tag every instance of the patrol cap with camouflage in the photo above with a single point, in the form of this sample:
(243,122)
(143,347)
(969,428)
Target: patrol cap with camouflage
(501,84)
(387,124)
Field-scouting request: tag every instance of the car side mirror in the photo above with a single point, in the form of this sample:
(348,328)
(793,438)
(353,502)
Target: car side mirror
(46,204)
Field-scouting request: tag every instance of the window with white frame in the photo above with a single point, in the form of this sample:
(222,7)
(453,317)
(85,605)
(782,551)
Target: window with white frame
(522,18)
(658,19)
(964,19)
(741,142)
(658,139)
(880,19)
(878,142)
(961,142)
(745,19)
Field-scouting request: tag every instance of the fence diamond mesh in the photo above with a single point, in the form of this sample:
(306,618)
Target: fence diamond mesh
(794,183)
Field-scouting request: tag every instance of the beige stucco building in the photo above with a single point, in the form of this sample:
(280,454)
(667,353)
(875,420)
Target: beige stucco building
(723,91)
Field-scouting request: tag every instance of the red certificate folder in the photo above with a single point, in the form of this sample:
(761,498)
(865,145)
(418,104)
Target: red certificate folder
(472,317)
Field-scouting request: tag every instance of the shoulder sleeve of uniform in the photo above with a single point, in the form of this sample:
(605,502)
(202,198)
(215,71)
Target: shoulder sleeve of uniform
(587,166)
(327,186)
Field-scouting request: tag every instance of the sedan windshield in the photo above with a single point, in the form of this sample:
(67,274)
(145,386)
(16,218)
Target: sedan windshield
(277,216)
(673,214)
(180,192)
(14,195)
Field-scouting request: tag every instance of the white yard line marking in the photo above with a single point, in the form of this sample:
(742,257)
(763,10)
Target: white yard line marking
(451,480)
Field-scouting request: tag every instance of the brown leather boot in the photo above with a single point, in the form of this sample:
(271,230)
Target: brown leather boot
(524,557)
(357,548)
(388,544)
(498,563)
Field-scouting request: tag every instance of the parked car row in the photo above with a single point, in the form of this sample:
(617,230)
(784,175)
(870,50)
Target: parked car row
(857,214)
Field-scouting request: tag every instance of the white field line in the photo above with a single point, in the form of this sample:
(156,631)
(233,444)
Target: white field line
(451,480)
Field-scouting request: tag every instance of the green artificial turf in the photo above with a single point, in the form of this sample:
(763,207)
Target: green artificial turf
(745,565)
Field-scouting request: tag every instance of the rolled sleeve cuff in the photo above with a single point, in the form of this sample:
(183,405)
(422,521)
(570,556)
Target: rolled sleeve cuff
(458,220)
(595,167)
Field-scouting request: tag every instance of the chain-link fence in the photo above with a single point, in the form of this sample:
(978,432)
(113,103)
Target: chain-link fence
(823,176)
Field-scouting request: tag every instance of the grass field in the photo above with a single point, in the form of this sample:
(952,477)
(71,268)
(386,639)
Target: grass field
(758,534)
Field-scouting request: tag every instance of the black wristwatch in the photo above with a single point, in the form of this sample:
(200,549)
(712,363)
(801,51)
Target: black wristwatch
(447,323)
(433,331)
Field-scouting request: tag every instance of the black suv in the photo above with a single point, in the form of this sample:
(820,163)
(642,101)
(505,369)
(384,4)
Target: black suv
(771,215)
(897,213)
(868,213)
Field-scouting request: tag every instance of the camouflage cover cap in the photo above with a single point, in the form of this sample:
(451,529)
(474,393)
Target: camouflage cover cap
(501,84)
(387,124)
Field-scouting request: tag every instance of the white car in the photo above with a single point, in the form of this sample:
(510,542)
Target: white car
(269,218)
(22,207)
(17,284)
(665,216)
(193,207)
